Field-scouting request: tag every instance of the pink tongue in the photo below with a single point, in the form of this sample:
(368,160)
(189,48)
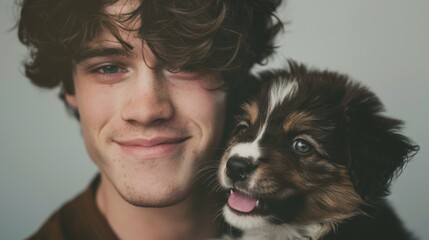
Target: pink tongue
(241,202)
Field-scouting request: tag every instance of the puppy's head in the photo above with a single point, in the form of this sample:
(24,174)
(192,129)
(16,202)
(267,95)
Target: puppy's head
(310,147)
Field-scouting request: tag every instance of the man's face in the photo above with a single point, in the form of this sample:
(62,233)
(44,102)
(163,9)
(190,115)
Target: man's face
(146,128)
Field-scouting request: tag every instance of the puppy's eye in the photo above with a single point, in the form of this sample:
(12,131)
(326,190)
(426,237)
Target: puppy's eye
(301,146)
(241,127)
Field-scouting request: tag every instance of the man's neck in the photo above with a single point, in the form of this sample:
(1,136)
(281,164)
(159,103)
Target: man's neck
(184,220)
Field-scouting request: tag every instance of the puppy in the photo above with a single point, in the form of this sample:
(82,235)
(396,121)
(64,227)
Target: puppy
(311,157)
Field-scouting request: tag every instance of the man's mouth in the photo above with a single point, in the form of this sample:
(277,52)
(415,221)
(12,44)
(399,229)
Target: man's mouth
(152,142)
(151,148)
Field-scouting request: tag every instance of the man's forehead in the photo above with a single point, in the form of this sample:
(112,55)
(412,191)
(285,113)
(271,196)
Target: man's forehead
(104,39)
(105,44)
(122,7)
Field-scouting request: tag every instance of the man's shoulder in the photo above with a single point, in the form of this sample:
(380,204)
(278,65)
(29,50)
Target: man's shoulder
(51,229)
(77,219)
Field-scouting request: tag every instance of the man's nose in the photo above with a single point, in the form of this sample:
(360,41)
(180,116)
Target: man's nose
(148,100)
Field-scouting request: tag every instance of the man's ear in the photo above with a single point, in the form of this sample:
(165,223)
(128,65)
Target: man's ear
(377,151)
(71,100)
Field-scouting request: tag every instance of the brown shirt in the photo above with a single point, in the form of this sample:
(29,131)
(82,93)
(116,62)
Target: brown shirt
(80,218)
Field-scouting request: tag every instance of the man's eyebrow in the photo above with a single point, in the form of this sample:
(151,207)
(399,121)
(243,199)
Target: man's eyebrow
(101,52)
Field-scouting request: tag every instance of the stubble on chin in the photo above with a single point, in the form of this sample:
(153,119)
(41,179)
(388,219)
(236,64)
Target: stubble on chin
(154,200)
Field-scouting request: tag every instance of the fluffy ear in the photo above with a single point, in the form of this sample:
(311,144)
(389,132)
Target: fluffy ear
(377,151)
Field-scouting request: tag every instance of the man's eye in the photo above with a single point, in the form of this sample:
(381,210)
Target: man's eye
(209,81)
(182,74)
(109,72)
(110,69)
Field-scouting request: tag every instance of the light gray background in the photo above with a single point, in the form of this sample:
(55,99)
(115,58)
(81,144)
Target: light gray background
(383,43)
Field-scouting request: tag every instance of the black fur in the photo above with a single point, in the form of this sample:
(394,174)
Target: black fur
(380,223)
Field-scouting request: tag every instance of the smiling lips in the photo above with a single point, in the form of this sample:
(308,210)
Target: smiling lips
(151,148)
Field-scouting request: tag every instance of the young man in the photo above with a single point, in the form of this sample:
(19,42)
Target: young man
(149,82)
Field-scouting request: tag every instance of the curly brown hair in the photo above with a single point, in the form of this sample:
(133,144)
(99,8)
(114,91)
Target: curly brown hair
(227,36)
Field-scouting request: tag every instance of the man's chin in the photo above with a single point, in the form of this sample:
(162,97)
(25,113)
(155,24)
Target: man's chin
(159,201)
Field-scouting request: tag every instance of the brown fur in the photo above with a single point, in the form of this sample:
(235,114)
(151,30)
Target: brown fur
(252,111)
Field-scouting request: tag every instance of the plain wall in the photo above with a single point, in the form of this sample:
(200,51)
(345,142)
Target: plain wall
(383,44)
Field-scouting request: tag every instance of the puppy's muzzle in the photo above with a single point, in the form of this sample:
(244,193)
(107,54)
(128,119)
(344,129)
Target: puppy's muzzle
(239,168)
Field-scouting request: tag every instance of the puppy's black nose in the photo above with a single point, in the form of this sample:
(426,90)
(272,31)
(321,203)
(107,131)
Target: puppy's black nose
(238,168)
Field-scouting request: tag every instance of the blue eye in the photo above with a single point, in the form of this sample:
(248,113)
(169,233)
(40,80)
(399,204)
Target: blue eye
(301,146)
(109,69)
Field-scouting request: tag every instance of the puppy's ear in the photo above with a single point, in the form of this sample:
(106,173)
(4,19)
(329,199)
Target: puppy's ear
(376,150)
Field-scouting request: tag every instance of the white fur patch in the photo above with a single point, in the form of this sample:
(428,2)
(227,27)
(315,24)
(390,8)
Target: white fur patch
(259,228)
(244,222)
(245,150)
(279,91)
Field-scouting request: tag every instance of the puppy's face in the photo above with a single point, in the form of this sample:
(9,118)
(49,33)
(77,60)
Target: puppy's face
(299,148)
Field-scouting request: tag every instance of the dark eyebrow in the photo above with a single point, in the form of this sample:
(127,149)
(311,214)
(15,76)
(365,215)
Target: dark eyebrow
(100,52)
